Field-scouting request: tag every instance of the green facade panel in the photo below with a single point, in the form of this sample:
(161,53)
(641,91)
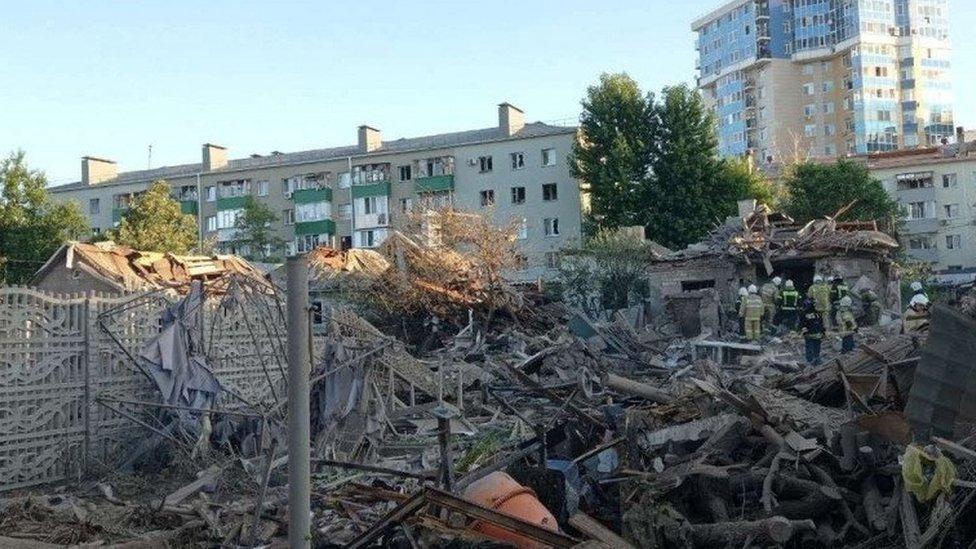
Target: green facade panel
(376,189)
(310,196)
(325,226)
(189,207)
(231,203)
(435,184)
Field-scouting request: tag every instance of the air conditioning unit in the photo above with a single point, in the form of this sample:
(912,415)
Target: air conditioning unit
(288,194)
(472,162)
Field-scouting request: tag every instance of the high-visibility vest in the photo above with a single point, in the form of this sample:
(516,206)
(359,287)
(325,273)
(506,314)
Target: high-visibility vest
(790,299)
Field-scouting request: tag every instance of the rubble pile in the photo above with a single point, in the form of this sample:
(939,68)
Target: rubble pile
(561,431)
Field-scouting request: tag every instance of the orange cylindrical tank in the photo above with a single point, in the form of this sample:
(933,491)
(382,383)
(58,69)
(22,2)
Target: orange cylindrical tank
(500,492)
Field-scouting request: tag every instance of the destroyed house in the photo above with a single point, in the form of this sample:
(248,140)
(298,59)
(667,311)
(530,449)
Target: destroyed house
(701,281)
(107,267)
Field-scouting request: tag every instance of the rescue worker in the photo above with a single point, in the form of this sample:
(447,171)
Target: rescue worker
(740,311)
(769,293)
(819,292)
(872,307)
(917,314)
(789,300)
(838,291)
(846,324)
(812,328)
(752,312)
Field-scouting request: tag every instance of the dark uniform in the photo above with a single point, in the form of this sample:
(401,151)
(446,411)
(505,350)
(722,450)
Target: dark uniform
(812,328)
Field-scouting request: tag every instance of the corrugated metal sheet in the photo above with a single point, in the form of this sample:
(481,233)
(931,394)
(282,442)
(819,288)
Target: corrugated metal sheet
(942,401)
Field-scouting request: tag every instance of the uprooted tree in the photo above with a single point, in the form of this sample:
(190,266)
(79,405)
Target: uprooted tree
(445,263)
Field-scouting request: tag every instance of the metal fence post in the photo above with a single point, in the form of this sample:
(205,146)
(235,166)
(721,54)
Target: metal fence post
(299,483)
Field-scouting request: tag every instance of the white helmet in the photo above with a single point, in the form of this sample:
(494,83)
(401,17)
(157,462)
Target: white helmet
(753,289)
(919,300)
(817,278)
(743,291)
(846,301)
(777,280)
(789,284)
(916,286)
(830,278)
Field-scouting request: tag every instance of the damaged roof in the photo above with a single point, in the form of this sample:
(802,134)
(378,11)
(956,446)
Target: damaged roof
(128,269)
(765,235)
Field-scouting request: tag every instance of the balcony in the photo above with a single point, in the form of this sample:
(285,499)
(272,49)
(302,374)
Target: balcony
(376,189)
(324,226)
(231,203)
(189,207)
(921,226)
(434,184)
(309,196)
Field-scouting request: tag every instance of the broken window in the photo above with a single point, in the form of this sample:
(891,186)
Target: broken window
(487,197)
(916,210)
(518,195)
(518,161)
(953,241)
(949,180)
(692,285)
(405,173)
(548,157)
(551,225)
(484,164)
(549,192)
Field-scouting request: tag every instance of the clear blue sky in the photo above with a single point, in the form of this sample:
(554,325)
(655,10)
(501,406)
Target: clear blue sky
(109,78)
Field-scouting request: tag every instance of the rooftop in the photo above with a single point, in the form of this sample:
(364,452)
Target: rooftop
(453,139)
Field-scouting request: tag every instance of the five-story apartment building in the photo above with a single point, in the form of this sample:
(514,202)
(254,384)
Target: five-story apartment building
(352,196)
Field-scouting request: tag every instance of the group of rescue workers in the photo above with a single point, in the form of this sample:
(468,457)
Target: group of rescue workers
(827,306)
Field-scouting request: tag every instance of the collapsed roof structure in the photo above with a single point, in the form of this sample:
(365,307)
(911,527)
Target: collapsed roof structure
(113,268)
(761,243)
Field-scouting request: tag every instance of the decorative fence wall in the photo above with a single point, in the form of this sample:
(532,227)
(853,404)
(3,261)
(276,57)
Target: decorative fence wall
(59,353)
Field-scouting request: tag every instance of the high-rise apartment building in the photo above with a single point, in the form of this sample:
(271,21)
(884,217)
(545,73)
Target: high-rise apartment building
(352,196)
(824,78)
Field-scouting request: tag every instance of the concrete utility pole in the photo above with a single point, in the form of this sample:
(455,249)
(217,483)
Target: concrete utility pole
(299,364)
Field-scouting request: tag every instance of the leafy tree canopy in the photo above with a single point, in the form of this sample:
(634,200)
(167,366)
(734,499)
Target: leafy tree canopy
(32,226)
(654,162)
(254,230)
(156,223)
(818,190)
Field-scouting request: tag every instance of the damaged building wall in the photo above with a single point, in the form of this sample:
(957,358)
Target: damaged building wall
(675,279)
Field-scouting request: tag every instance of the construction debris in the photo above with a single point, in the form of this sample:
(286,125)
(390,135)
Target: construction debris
(539,426)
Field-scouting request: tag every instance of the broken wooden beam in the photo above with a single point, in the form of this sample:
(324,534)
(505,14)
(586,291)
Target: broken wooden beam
(635,388)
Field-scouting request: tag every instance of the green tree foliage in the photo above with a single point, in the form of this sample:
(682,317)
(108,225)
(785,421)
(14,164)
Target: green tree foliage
(817,190)
(690,188)
(32,226)
(254,230)
(654,162)
(751,182)
(156,223)
(612,156)
(607,272)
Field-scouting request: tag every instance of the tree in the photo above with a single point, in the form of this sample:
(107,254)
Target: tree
(612,153)
(818,190)
(750,182)
(254,230)
(691,188)
(32,226)
(156,223)
(609,269)
(655,163)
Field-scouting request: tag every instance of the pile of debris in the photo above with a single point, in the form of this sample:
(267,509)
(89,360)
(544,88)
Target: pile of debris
(111,267)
